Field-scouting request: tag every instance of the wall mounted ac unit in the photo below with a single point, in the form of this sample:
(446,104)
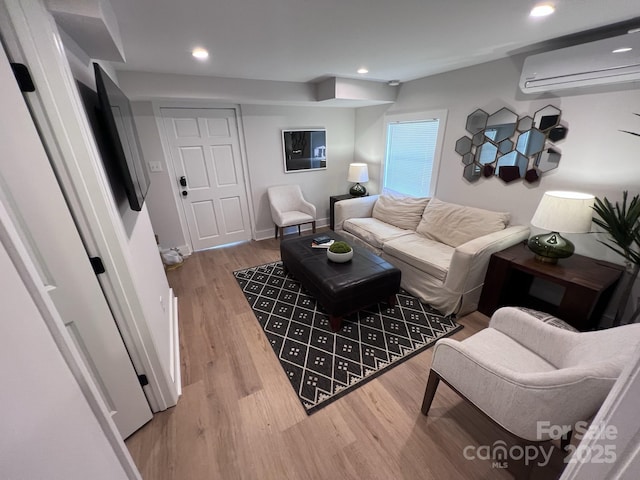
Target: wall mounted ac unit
(583,65)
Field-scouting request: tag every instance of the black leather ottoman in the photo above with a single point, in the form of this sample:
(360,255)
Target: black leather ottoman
(341,288)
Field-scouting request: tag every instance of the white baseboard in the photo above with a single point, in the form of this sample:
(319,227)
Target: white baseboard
(174,346)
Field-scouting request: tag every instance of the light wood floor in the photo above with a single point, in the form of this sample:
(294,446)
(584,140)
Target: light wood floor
(239,418)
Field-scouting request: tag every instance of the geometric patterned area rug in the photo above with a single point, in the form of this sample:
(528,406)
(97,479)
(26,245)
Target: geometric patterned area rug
(322,365)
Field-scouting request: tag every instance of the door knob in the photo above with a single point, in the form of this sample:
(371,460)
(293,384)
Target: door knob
(183,181)
(185,193)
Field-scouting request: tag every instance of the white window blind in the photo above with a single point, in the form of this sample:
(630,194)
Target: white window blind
(411,148)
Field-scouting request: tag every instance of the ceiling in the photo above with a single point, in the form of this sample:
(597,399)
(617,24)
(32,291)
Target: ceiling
(308,40)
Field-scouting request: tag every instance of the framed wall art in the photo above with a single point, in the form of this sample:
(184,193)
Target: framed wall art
(304,150)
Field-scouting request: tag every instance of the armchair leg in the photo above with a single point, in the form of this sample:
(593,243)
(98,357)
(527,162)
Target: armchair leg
(298,229)
(565,440)
(276,231)
(313,226)
(430,391)
(281,230)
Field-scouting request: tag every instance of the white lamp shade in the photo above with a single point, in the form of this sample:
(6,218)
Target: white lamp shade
(358,172)
(564,212)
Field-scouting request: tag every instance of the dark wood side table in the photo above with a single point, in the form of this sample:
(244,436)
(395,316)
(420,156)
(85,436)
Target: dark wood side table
(332,201)
(587,285)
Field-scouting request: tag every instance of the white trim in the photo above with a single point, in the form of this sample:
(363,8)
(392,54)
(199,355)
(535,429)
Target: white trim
(441,115)
(174,342)
(10,239)
(619,410)
(173,179)
(69,140)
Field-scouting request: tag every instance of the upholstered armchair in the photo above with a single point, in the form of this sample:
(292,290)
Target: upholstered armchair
(289,208)
(522,370)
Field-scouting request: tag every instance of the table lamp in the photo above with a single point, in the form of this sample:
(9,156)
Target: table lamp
(558,211)
(358,172)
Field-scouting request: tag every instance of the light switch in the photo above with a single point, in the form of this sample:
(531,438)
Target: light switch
(155,166)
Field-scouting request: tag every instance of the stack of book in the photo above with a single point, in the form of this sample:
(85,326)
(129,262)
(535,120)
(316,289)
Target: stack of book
(321,241)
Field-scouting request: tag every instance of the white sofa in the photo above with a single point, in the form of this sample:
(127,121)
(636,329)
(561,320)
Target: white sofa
(442,249)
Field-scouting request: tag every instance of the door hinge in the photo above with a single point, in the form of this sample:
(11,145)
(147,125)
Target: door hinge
(23,77)
(144,381)
(98,266)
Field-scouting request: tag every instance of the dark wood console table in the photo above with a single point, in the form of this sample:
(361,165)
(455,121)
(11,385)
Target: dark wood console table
(587,283)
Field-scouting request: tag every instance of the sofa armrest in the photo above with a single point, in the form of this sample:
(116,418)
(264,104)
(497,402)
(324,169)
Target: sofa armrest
(470,260)
(360,207)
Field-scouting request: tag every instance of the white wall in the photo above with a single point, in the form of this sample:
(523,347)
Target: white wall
(153,86)
(596,157)
(160,200)
(263,127)
(370,143)
(141,251)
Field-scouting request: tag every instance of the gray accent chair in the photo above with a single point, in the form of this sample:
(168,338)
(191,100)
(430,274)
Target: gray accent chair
(521,370)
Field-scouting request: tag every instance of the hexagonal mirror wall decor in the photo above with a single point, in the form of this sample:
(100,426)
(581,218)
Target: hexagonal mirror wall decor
(477,121)
(505,146)
(463,145)
(467,158)
(530,142)
(472,172)
(511,148)
(486,153)
(501,125)
(478,138)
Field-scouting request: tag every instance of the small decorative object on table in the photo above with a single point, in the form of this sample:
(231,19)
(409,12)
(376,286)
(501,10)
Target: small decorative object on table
(358,172)
(340,252)
(560,212)
(321,239)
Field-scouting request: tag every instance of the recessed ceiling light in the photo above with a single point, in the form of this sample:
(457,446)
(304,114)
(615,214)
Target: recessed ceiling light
(622,50)
(393,83)
(200,53)
(542,10)
(363,70)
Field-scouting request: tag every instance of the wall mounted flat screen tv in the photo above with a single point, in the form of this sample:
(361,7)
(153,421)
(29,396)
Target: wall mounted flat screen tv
(117,122)
(304,150)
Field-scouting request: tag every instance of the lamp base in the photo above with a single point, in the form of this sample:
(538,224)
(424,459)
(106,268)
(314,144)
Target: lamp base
(549,247)
(358,190)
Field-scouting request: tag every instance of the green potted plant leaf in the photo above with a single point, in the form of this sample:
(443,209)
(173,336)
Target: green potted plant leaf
(622,224)
(340,252)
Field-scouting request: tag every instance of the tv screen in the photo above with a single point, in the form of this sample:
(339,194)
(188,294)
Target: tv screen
(117,121)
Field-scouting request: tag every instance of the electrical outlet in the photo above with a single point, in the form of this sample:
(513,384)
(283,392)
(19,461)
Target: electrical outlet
(155,166)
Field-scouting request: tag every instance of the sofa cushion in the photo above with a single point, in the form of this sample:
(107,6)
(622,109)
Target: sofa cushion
(430,256)
(400,211)
(373,231)
(457,224)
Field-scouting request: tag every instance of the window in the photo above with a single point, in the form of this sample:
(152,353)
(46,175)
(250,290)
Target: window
(413,151)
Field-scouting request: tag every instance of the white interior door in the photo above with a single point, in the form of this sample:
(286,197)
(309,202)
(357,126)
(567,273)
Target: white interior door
(205,152)
(30,189)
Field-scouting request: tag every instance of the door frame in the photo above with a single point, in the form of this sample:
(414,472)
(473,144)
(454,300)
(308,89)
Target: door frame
(13,244)
(166,150)
(33,39)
